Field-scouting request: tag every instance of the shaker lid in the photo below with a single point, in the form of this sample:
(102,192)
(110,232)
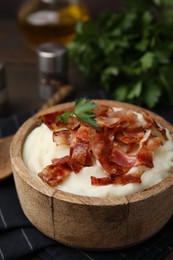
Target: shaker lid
(50,1)
(52,58)
(2,75)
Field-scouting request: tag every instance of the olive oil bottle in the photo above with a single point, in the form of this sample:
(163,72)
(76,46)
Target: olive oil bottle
(44,21)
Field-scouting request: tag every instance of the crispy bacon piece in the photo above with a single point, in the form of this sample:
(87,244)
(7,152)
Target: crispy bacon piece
(149,121)
(55,173)
(101,181)
(50,118)
(152,143)
(144,157)
(100,146)
(83,133)
(161,130)
(133,137)
(102,110)
(75,166)
(61,137)
(124,160)
(128,120)
(102,149)
(80,153)
(145,154)
(104,121)
(80,149)
(122,179)
(73,123)
(128,178)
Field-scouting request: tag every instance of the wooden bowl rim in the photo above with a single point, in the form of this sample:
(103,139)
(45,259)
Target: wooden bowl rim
(19,166)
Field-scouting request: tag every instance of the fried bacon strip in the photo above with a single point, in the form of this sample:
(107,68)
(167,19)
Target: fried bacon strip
(122,159)
(56,172)
(61,137)
(123,179)
(122,142)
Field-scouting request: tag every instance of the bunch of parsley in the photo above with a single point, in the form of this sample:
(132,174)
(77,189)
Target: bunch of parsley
(129,54)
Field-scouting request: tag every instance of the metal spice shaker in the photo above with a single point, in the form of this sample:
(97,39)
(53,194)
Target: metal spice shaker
(3,92)
(53,66)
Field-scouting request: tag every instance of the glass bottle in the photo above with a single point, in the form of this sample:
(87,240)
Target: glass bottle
(44,21)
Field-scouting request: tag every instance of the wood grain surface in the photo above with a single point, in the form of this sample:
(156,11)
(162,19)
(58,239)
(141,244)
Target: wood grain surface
(5,166)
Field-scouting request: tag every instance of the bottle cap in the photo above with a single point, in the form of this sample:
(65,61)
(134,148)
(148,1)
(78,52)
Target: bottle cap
(52,58)
(2,76)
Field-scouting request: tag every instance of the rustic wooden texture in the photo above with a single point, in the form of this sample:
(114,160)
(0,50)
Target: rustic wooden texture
(36,205)
(5,165)
(35,197)
(89,222)
(150,210)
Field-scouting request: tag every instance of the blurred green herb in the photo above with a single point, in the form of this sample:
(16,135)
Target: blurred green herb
(83,110)
(129,54)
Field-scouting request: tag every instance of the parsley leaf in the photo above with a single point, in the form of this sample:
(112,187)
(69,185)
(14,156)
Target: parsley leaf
(64,117)
(147,60)
(84,105)
(83,111)
(121,52)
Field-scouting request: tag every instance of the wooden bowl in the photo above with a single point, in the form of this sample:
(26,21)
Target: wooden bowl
(90,222)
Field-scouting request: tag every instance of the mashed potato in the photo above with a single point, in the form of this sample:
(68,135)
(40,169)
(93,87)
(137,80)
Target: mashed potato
(39,149)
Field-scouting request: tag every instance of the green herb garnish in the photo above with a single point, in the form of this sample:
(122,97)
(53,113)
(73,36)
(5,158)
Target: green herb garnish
(83,111)
(130,53)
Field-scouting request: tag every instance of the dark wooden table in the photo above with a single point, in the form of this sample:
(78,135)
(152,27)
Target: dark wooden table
(21,67)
